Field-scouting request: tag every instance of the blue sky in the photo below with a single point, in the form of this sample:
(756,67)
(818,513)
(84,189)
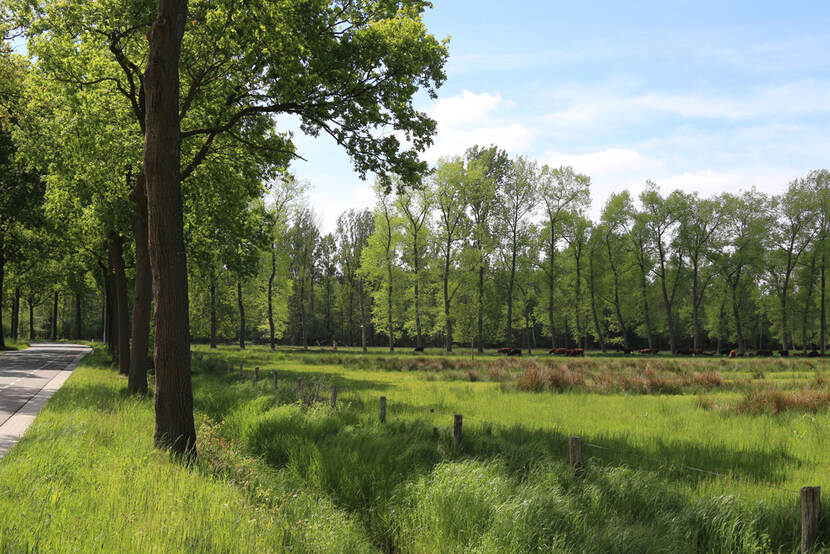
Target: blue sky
(695,95)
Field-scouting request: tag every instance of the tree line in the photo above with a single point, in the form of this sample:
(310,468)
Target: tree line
(497,251)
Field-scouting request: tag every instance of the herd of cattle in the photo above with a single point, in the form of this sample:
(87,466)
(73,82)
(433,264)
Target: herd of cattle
(651,351)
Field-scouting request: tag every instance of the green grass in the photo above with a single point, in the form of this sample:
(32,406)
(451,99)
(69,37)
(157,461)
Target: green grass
(11,344)
(278,474)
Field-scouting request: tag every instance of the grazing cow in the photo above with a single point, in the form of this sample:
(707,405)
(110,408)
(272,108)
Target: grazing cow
(419,349)
(812,354)
(505,350)
(732,354)
(696,352)
(766,353)
(559,351)
(576,352)
(784,353)
(648,351)
(725,351)
(514,352)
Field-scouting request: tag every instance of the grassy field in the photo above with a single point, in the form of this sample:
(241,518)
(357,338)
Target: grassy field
(282,471)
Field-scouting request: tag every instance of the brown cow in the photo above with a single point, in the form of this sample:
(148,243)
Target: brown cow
(648,351)
(732,354)
(576,352)
(505,350)
(514,352)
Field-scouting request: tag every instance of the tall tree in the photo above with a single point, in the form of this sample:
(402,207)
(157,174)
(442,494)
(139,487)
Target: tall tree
(451,180)
(794,230)
(415,207)
(561,190)
(517,201)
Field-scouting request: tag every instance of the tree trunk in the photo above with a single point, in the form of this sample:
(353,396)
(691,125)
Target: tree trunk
(351,312)
(116,258)
(2,279)
(666,302)
(142,293)
(823,316)
(736,312)
(580,335)
(53,327)
(16,314)
(551,284)
(480,328)
(646,316)
(695,306)
(304,337)
(419,339)
(389,307)
(592,285)
(510,294)
(241,314)
(271,278)
(78,317)
(212,308)
(721,318)
(31,302)
(362,314)
(174,426)
(447,321)
(617,307)
(808,301)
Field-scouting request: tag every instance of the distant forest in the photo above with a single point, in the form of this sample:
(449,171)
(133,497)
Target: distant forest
(489,251)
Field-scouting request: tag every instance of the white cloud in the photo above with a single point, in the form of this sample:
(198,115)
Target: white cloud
(469,118)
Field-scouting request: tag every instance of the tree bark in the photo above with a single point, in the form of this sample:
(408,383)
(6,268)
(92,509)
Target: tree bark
(808,301)
(242,315)
(174,426)
(15,330)
(646,316)
(142,293)
(695,305)
(116,258)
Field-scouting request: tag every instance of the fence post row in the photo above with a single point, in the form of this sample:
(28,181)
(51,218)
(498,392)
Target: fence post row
(256,374)
(275,379)
(382,409)
(457,431)
(334,396)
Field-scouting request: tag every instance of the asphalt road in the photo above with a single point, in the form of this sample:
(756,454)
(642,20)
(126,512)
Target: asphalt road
(27,379)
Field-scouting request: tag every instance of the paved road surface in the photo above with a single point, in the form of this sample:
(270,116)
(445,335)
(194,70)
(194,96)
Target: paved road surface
(28,378)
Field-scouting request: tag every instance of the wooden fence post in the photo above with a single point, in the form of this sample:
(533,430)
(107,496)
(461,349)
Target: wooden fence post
(382,409)
(275,379)
(300,391)
(575,451)
(810,508)
(334,396)
(256,374)
(457,431)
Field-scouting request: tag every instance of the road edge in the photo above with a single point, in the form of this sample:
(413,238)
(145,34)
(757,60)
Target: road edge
(16,426)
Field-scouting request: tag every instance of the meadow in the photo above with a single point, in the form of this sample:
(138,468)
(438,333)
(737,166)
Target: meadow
(284,470)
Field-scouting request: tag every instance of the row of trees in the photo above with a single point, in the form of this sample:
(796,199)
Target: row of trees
(154,129)
(498,251)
